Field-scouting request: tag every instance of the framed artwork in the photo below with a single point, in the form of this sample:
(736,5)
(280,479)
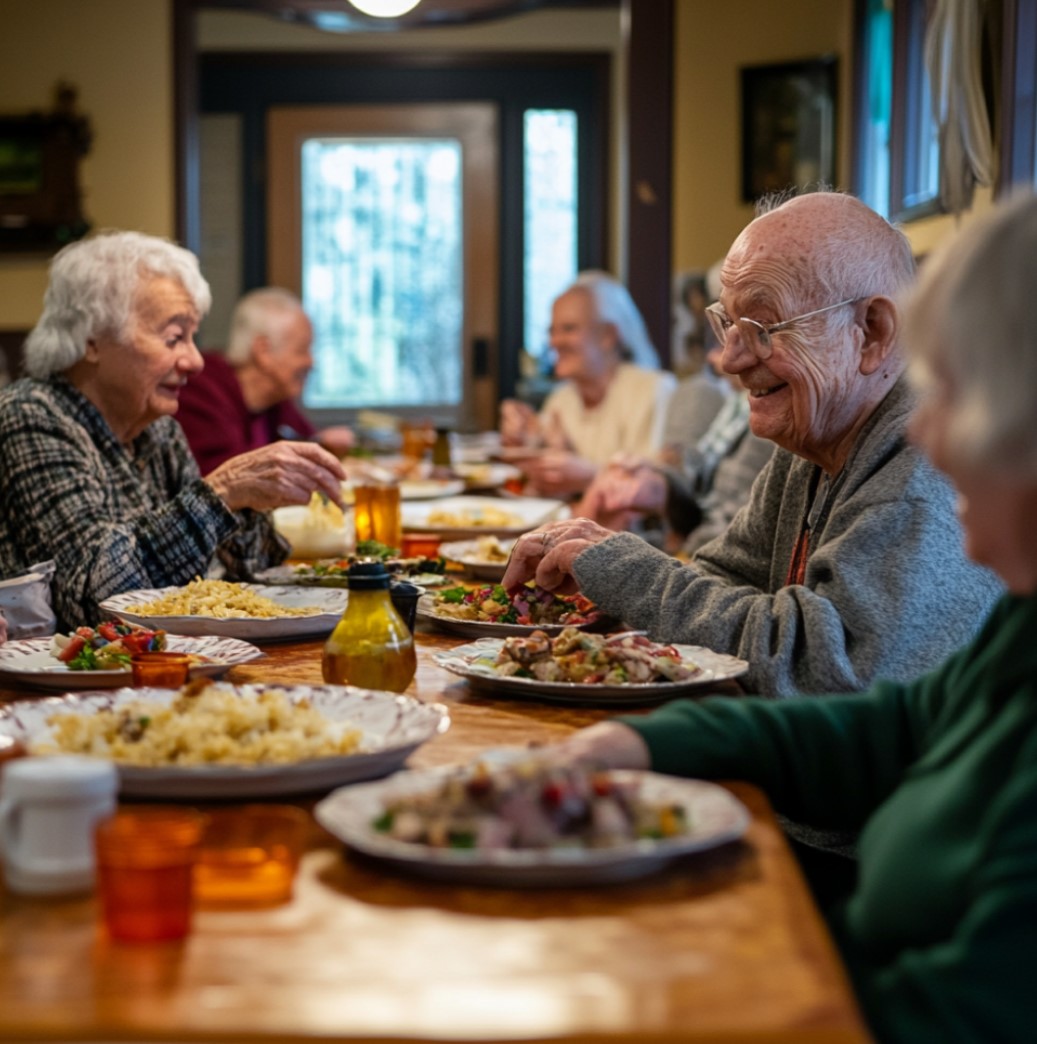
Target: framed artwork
(40,199)
(788,126)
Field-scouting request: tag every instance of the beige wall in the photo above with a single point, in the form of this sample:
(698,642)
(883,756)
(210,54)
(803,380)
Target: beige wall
(118,54)
(713,41)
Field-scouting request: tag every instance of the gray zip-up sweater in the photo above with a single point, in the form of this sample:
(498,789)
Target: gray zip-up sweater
(888,591)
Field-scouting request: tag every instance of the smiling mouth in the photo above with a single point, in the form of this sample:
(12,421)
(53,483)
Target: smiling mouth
(761,393)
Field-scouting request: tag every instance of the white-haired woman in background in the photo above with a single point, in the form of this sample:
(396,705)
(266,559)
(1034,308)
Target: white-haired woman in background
(95,472)
(940,775)
(613,395)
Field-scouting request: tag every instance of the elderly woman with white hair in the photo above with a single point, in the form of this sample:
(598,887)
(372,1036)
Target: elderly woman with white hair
(940,774)
(96,474)
(613,396)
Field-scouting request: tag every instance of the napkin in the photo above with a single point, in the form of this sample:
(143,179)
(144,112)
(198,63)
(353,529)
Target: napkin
(25,603)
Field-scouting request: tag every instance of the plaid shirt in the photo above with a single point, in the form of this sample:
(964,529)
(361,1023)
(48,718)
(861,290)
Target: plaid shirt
(113,518)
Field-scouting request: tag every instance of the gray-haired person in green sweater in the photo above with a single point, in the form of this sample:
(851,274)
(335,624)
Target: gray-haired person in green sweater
(940,774)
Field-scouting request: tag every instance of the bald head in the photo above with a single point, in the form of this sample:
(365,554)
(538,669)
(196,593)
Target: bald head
(824,247)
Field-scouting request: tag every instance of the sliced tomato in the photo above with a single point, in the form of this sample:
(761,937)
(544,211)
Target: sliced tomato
(108,630)
(74,647)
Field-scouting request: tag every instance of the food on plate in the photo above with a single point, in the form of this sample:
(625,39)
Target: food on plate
(531,605)
(206,724)
(366,551)
(576,656)
(106,647)
(530,805)
(488,517)
(322,514)
(490,549)
(220,599)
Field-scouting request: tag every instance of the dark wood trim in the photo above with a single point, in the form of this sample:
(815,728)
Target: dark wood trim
(185,125)
(11,342)
(1018,95)
(649,252)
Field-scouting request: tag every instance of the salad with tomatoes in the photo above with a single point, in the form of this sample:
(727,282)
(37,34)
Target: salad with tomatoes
(106,647)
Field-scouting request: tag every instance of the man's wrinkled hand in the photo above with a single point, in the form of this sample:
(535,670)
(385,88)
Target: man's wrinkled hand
(546,555)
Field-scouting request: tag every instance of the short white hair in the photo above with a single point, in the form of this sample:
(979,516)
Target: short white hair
(265,312)
(972,323)
(613,304)
(92,285)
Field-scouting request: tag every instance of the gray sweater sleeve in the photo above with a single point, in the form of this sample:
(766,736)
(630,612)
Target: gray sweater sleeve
(888,591)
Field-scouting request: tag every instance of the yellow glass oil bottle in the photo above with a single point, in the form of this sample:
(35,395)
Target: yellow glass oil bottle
(371,646)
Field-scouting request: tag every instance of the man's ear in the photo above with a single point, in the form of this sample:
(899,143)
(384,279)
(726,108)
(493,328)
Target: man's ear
(880,323)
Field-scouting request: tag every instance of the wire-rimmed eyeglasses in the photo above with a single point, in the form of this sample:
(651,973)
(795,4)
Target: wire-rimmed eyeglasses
(756,336)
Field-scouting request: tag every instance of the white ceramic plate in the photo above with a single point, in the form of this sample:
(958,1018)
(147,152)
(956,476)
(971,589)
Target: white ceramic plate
(289,576)
(474,515)
(429,489)
(29,662)
(428,612)
(467,553)
(465,660)
(489,475)
(392,726)
(329,601)
(715,815)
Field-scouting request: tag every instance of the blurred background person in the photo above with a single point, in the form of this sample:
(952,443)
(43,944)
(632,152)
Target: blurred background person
(96,473)
(612,398)
(695,489)
(246,396)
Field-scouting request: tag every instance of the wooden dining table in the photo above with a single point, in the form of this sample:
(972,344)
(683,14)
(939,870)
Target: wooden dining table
(722,946)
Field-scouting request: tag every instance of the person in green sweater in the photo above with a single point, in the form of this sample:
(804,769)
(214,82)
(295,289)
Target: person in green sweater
(939,932)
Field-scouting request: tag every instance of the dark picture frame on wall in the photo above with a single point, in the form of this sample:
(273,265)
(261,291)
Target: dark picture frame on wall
(788,126)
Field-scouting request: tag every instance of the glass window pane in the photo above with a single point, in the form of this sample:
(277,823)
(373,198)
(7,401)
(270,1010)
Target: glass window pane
(382,271)
(878,50)
(550,213)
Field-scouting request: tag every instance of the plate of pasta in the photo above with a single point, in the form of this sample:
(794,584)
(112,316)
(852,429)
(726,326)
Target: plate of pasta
(253,612)
(467,517)
(215,740)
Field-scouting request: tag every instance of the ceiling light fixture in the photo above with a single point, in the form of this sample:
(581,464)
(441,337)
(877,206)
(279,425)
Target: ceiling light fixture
(385,8)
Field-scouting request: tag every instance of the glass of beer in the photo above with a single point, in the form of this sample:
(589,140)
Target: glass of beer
(377,513)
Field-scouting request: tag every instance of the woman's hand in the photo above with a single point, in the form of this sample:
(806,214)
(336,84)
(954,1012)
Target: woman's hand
(627,486)
(519,425)
(558,473)
(606,745)
(547,554)
(281,473)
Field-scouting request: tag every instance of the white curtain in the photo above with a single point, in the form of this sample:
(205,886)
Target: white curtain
(953,44)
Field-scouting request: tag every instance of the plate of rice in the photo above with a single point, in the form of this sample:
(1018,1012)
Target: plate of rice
(253,612)
(216,740)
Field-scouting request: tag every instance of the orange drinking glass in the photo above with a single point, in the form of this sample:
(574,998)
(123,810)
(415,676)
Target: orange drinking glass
(145,864)
(163,670)
(376,510)
(249,856)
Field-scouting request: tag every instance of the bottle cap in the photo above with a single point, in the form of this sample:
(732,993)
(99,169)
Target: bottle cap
(368,576)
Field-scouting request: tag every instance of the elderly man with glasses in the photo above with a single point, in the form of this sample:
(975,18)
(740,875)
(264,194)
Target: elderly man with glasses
(847,563)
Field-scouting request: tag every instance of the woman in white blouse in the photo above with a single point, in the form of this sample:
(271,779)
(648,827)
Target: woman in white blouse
(612,397)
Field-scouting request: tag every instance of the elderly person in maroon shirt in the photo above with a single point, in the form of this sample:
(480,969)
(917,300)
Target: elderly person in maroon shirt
(245,397)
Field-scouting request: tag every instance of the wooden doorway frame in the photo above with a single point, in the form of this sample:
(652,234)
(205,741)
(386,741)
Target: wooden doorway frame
(647,252)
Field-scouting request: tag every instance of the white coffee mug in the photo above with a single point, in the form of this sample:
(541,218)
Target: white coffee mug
(48,808)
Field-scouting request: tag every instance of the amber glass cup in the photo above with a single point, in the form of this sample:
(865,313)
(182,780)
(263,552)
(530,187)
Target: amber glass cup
(377,513)
(145,868)
(249,856)
(161,670)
